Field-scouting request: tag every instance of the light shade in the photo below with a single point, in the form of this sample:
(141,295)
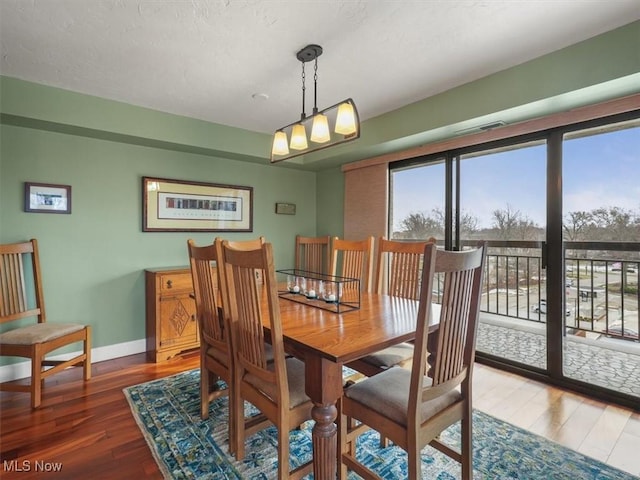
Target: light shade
(346,119)
(280,144)
(296,132)
(320,129)
(298,137)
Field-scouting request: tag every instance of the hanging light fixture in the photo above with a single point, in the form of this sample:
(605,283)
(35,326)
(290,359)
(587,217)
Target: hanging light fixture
(332,126)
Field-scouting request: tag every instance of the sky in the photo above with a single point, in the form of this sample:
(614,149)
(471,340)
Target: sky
(598,171)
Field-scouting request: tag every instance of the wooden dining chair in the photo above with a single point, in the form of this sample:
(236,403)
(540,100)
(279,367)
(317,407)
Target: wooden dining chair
(313,254)
(353,259)
(407,406)
(215,342)
(34,341)
(216,358)
(275,388)
(398,271)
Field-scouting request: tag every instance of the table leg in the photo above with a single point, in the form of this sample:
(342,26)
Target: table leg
(324,441)
(324,387)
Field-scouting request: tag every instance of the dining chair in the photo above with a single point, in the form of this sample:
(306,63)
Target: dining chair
(398,269)
(216,359)
(312,253)
(277,389)
(22,296)
(407,406)
(215,343)
(353,259)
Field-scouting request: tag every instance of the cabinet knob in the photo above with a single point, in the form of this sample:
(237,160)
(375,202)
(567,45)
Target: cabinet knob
(169,284)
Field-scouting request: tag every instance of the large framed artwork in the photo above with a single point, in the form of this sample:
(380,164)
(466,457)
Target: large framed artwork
(185,206)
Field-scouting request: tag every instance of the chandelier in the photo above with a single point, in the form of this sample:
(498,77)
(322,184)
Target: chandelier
(332,126)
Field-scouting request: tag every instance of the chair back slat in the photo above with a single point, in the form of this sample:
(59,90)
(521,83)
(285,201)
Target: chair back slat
(312,254)
(353,259)
(14,291)
(399,267)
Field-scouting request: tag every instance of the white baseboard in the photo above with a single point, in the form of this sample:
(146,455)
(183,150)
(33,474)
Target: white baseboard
(99,354)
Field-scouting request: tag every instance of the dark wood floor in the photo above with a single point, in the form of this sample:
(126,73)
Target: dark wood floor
(88,430)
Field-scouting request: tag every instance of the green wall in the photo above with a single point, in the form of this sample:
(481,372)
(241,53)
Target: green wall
(93,259)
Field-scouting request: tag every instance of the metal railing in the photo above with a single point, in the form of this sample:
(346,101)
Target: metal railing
(601,285)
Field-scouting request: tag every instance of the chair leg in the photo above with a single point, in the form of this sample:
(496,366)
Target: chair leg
(36,377)
(414,463)
(87,354)
(283,452)
(467,445)
(204,390)
(343,446)
(238,422)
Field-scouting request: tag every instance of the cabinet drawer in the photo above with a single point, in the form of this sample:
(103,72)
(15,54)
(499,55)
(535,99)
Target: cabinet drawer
(176,281)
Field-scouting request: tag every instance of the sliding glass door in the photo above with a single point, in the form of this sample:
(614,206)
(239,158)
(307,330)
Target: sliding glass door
(502,200)
(601,223)
(560,212)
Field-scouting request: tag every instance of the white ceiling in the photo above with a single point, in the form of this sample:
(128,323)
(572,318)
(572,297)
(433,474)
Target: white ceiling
(207,58)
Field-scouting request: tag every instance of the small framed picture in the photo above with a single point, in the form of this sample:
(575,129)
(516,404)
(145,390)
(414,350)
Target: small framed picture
(47,198)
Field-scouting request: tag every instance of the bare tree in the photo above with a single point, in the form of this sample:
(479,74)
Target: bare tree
(419,225)
(575,225)
(511,224)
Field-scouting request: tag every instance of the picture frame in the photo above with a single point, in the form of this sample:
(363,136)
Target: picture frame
(47,198)
(187,206)
(285,208)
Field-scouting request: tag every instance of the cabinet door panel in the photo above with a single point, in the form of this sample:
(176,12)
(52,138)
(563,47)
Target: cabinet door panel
(178,320)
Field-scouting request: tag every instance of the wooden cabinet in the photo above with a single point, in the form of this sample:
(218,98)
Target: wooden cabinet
(171,313)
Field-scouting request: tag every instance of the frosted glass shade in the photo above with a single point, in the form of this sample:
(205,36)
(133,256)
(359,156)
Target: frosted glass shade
(280,146)
(298,137)
(346,119)
(341,118)
(320,129)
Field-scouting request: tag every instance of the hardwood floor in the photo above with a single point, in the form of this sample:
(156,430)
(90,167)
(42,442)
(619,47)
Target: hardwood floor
(88,431)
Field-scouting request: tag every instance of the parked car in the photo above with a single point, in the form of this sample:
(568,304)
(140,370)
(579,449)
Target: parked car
(615,330)
(542,308)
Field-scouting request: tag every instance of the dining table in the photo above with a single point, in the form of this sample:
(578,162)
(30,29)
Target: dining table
(326,341)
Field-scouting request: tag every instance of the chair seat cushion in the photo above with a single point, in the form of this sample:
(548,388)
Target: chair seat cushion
(38,333)
(391,356)
(295,378)
(388,393)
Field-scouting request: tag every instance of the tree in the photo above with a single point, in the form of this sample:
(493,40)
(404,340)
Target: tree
(419,225)
(575,225)
(513,225)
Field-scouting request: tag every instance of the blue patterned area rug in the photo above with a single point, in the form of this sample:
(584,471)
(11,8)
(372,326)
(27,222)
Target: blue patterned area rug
(186,447)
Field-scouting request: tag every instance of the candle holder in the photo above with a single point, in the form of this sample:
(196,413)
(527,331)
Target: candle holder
(320,290)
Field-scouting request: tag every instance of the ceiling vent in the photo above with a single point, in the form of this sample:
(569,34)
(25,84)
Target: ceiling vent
(481,128)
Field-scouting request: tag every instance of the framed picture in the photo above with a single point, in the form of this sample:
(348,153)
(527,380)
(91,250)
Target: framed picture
(47,198)
(183,206)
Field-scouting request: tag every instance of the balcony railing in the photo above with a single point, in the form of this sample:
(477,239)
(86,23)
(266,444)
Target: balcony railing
(601,285)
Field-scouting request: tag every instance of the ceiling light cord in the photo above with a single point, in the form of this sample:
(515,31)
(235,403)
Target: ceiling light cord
(304,89)
(315,87)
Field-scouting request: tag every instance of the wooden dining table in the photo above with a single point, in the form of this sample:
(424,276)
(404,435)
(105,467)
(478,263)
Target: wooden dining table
(326,341)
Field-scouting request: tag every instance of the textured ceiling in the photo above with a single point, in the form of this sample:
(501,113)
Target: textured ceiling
(207,58)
